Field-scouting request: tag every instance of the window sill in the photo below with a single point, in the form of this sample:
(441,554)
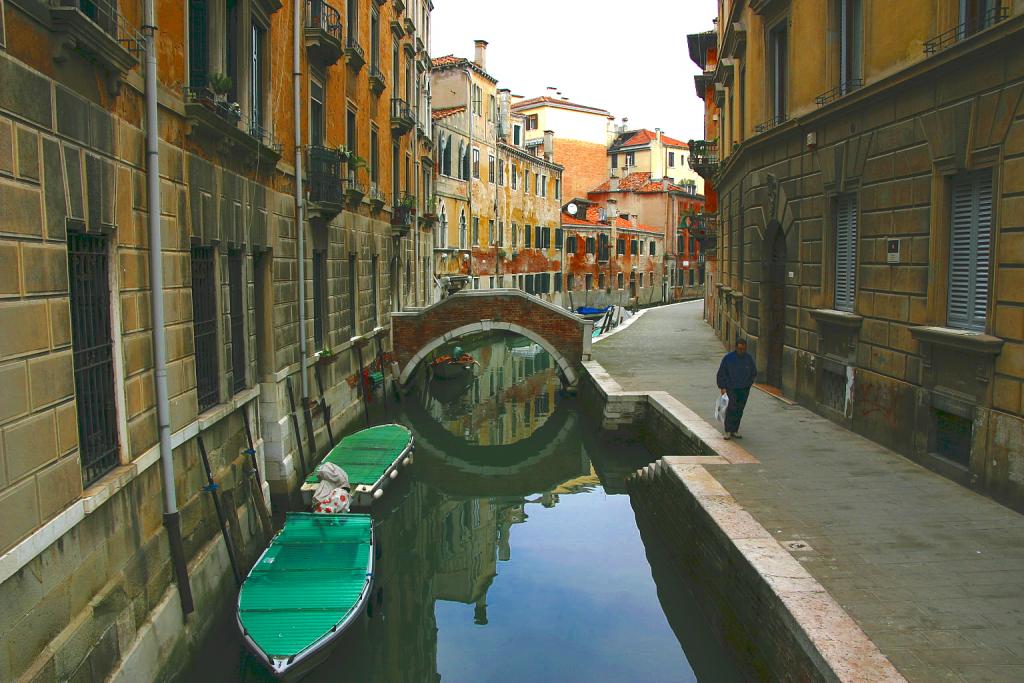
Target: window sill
(830,316)
(78,31)
(961,340)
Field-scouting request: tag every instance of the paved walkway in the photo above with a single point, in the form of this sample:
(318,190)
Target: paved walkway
(932,572)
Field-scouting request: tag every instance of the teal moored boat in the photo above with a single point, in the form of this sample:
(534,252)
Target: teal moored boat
(306,589)
(371,458)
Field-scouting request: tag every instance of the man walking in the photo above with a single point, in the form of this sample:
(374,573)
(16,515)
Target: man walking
(736,375)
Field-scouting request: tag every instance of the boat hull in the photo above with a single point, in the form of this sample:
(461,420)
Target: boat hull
(453,370)
(366,489)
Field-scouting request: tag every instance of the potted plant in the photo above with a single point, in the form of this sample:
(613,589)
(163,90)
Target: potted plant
(326,356)
(343,153)
(220,85)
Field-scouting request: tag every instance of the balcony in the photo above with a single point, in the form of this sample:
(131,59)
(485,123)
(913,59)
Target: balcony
(323,32)
(97,30)
(402,119)
(355,190)
(396,28)
(354,55)
(704,157)
(403,213)
(409,26)
(377,82)
(430,212)
(425,136)
(701,226)
(325,183)
(231,133)
(377,198)
(773,122)
(399,6)
(839,91)
(973,25)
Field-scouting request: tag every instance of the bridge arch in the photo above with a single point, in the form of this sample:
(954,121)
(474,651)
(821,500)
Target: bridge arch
(561,334)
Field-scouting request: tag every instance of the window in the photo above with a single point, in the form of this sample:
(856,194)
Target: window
(351,134)
(633,248)
(204,327)
(515,176)
(543,179)
(353,297)
(619,280)
(441,235)
(476,230)
(198,43)
(538,237)
(977,15)
(396,172)
(589,281)
(476,163)
(477,100)
(558,238)
(620,247)
(515,235)
(462,230)
(257,79)
(529,283)
(236,300)
(492,108)
(850,42)
(641,245)
(319,296)
(570,245)
(316,113)
(652,250)
(374,157)
(501,233)
(490,168)
(779,73)
(600,281)
(465,163)
(375,42)
(630,160)
(352,15)
(846,253)
(446,162)
(501,173)
(970,242)
(671,158)
(558,282)
(527,236)
(615,161)
(375,290)
(558,188)
(93,353)
(602,248)
(531,122)
(591,242)
(517,135)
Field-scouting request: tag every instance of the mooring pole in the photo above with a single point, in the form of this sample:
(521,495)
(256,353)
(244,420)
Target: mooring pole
(295,425)
(255,484)
(213,488)
(326,409)
(363,382)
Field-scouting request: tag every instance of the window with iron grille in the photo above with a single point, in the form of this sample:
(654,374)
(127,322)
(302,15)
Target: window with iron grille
(236,287)
(353,289)
(204,326)
(846,252)
(91,343)
(969,249)
(319,296)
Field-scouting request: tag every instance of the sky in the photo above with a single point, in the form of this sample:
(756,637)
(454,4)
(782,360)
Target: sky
(602,53)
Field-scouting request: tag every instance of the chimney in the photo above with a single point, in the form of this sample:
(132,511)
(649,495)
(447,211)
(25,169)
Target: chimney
(480,55)
(611,212)
(665,184)
(549,145)
(613,185)
(657,134)
(634,220)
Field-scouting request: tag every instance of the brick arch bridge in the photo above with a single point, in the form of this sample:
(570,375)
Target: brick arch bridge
(419,332)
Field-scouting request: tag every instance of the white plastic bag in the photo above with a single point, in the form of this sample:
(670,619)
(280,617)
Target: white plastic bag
(720,407)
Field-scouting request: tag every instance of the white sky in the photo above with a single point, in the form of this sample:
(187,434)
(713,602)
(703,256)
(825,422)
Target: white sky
(625,56)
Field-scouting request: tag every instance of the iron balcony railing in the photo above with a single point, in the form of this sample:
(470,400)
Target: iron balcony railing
(404,209)
(323,16)
(232,113)
(105,15)
(704,157)
(325,186)
(842,89)
(699,225)
(967,29)
(402,118)
(774,121)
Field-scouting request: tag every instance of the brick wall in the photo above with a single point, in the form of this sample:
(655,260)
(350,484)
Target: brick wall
(585,166)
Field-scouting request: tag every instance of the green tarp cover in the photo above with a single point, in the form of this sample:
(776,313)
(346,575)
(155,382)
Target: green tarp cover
(307,581)
(367,454)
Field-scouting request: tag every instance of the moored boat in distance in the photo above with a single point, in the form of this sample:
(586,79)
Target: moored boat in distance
(306,589)
(447,367)
(371,458)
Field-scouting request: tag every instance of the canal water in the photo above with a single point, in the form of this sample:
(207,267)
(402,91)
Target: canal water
(510,551)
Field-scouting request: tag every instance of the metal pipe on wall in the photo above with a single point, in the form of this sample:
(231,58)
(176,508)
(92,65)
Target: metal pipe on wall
(171,517)
(300,205)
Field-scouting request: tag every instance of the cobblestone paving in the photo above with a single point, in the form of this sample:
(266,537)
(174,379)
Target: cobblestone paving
(932,572)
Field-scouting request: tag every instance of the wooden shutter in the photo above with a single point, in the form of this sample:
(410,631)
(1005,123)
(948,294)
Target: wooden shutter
(846,253)
(969,249)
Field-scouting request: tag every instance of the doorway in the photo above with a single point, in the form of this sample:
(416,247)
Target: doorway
(776,304)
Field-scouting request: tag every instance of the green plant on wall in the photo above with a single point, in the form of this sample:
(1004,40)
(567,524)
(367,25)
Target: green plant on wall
(219,83)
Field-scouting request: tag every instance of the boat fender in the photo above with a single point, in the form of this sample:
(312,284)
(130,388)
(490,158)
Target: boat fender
(394,474)
(378,493)
(406,461)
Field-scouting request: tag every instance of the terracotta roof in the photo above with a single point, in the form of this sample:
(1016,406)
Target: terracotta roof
(556,102)
(443,113)
(446,60)
(593,220)
(634,138)
(638,182)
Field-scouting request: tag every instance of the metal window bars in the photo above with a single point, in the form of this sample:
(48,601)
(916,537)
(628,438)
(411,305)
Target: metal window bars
(835,93)
(88,270)
(325,180)
(967,29)
(204,327)
(325,17)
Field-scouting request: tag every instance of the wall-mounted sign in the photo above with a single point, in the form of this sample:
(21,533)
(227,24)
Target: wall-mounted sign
(892,251)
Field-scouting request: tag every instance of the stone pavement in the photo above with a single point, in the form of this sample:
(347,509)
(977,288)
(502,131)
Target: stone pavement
(931,571)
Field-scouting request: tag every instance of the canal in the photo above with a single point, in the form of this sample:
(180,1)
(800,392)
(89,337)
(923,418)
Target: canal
(511,551)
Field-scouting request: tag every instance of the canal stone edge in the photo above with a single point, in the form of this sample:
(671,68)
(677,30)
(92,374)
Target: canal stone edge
(777,618)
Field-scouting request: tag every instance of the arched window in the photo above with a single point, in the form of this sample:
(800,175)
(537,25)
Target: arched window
(465,164)
(462,229)
(462,156)
(447,165)
(652,251)
(441,232)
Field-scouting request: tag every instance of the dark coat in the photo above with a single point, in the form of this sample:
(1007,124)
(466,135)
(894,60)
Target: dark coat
(736,371)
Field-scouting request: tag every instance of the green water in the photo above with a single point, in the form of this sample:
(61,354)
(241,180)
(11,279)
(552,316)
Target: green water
(510,550)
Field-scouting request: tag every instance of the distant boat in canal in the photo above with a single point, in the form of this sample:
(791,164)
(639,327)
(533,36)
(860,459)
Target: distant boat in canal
(591,313)
(307,588)
(371,458)
(449,367)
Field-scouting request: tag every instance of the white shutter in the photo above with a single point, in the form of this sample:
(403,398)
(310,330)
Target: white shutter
(846,253)
(969,248)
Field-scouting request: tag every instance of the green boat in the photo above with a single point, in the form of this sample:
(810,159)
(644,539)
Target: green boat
(371,458)
(306,589)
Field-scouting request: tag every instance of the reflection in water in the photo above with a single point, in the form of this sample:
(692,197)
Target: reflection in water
(504,556)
